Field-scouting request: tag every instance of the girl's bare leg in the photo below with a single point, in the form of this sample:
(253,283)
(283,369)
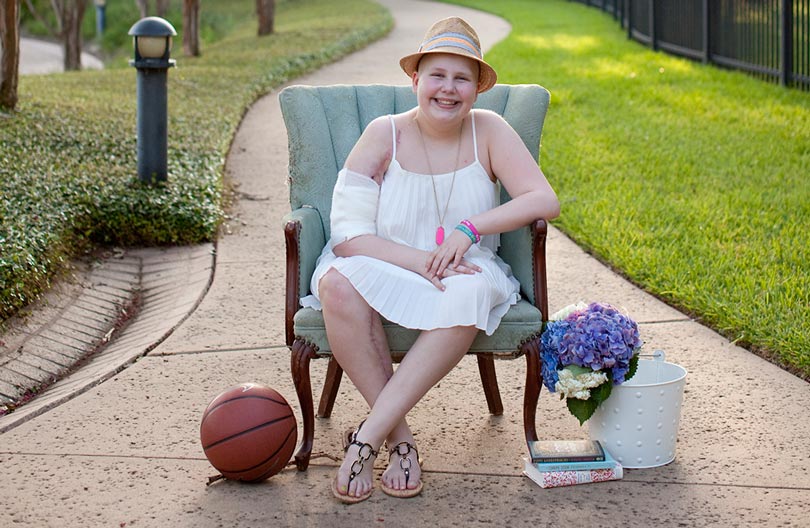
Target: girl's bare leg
(432,356)
(359,345)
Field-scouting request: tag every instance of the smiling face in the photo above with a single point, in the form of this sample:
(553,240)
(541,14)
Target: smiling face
(446,85)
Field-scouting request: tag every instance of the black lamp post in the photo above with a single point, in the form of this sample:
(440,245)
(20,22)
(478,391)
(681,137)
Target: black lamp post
(153,44)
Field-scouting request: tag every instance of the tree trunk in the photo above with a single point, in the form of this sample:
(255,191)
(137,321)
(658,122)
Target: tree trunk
(162,7)
(143,7)
(72,33)
(9,52)
(266,10)
(191,28)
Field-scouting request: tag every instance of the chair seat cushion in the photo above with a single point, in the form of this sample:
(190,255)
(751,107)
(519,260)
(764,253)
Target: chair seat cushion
(521,322)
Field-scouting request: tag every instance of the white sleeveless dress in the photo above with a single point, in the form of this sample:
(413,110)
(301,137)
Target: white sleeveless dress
(407,215)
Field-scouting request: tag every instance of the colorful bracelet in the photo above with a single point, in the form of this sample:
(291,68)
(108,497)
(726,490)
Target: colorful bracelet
(472,228)
(466,230)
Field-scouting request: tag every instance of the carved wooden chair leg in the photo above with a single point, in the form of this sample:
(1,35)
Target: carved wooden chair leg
(486,367)
(330,388)
(302,352)
(531,349)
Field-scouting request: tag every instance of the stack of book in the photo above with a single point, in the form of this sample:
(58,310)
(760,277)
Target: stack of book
(555,463)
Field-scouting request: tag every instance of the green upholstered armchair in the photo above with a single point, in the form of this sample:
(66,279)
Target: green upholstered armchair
(323,123)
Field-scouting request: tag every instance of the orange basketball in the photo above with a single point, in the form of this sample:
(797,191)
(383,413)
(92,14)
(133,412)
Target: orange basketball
(248,432)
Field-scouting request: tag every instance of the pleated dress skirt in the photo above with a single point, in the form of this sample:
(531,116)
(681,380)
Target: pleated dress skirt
(407,215)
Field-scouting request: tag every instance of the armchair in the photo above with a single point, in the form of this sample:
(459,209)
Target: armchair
(323,124)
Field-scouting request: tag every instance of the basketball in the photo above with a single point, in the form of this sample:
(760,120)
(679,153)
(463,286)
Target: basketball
(248,432)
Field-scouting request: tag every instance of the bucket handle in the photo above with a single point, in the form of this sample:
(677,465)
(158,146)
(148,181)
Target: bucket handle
(658,357)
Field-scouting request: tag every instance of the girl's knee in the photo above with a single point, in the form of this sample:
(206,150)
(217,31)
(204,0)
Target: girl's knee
(336,291)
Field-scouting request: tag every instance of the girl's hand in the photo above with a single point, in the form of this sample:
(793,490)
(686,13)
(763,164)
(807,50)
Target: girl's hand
(447,259)
(465,268)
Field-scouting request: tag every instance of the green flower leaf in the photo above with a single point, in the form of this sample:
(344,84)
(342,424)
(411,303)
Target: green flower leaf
(633,367)
(582,409)
(602,392)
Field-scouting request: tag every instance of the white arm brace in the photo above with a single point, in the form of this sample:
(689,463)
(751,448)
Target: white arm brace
(354,207)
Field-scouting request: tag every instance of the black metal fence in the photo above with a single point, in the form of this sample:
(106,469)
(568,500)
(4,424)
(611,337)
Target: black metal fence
(769,38)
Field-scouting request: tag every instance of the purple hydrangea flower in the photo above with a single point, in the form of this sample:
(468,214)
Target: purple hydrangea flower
(550,341)
(599,337)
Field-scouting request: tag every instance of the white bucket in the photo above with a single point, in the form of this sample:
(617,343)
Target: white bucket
(638,423)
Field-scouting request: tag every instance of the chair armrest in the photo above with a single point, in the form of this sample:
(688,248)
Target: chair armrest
(525,251)
(305,239)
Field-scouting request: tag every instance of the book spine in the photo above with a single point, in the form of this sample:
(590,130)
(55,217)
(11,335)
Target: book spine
(576,466)
(567,459)
(555,479)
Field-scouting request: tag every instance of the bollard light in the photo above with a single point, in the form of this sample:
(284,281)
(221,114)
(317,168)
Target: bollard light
(152,40)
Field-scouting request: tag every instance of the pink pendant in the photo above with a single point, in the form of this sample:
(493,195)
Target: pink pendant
(439,235)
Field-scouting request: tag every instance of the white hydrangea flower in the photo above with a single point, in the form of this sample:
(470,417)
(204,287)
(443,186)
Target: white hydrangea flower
(565,312)
(571,385)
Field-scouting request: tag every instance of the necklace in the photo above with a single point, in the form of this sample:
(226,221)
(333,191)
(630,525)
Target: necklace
(440,229)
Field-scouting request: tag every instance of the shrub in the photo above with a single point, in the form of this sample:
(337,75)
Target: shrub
(68,156)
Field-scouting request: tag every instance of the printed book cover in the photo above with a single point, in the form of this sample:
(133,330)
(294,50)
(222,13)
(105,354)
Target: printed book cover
(555,479)
(546,451)
(607,463)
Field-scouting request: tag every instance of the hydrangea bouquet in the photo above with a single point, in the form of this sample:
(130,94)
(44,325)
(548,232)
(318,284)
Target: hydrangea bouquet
(586,349)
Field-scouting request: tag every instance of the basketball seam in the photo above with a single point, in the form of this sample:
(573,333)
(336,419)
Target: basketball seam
(246,397)
(272,471)
(283,444)
(246,431)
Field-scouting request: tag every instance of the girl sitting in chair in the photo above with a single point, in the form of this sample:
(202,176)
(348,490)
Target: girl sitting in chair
(415,229)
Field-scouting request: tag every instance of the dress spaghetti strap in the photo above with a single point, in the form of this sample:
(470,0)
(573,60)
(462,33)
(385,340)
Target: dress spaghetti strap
(475,139)
(394,137)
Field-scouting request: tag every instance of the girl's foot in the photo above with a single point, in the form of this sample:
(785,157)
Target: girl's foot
(403,477)
(354,481)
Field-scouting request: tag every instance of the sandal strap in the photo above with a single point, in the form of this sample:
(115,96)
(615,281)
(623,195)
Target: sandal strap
(397,449)
(362,457)
(403,457)
(357,465)
(362,445)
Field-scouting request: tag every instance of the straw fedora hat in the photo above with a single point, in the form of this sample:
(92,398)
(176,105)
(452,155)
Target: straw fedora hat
(452,35)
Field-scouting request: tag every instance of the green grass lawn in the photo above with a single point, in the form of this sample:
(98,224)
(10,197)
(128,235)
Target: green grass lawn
(690,180)
(68,154)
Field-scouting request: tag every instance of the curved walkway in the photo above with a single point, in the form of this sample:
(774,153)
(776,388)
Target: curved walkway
(40,56)
(126,451)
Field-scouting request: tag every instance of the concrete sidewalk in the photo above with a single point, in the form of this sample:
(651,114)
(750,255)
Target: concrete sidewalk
(40,57)
(121,447)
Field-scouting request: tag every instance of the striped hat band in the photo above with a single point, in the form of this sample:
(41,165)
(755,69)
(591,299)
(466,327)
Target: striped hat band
(452,40)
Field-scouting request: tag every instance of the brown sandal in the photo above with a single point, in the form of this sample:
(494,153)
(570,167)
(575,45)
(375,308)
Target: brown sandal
(403,449)
(363,456)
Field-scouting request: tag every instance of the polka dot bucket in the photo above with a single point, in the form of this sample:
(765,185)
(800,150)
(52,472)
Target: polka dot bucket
(638,423)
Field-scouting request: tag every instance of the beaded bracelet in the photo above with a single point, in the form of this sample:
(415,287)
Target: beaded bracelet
(472,228)
(466,230)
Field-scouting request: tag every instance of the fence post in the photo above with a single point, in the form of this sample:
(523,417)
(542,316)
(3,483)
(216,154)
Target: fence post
(786,70)
(653,39)
(629,8)
(706,32)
